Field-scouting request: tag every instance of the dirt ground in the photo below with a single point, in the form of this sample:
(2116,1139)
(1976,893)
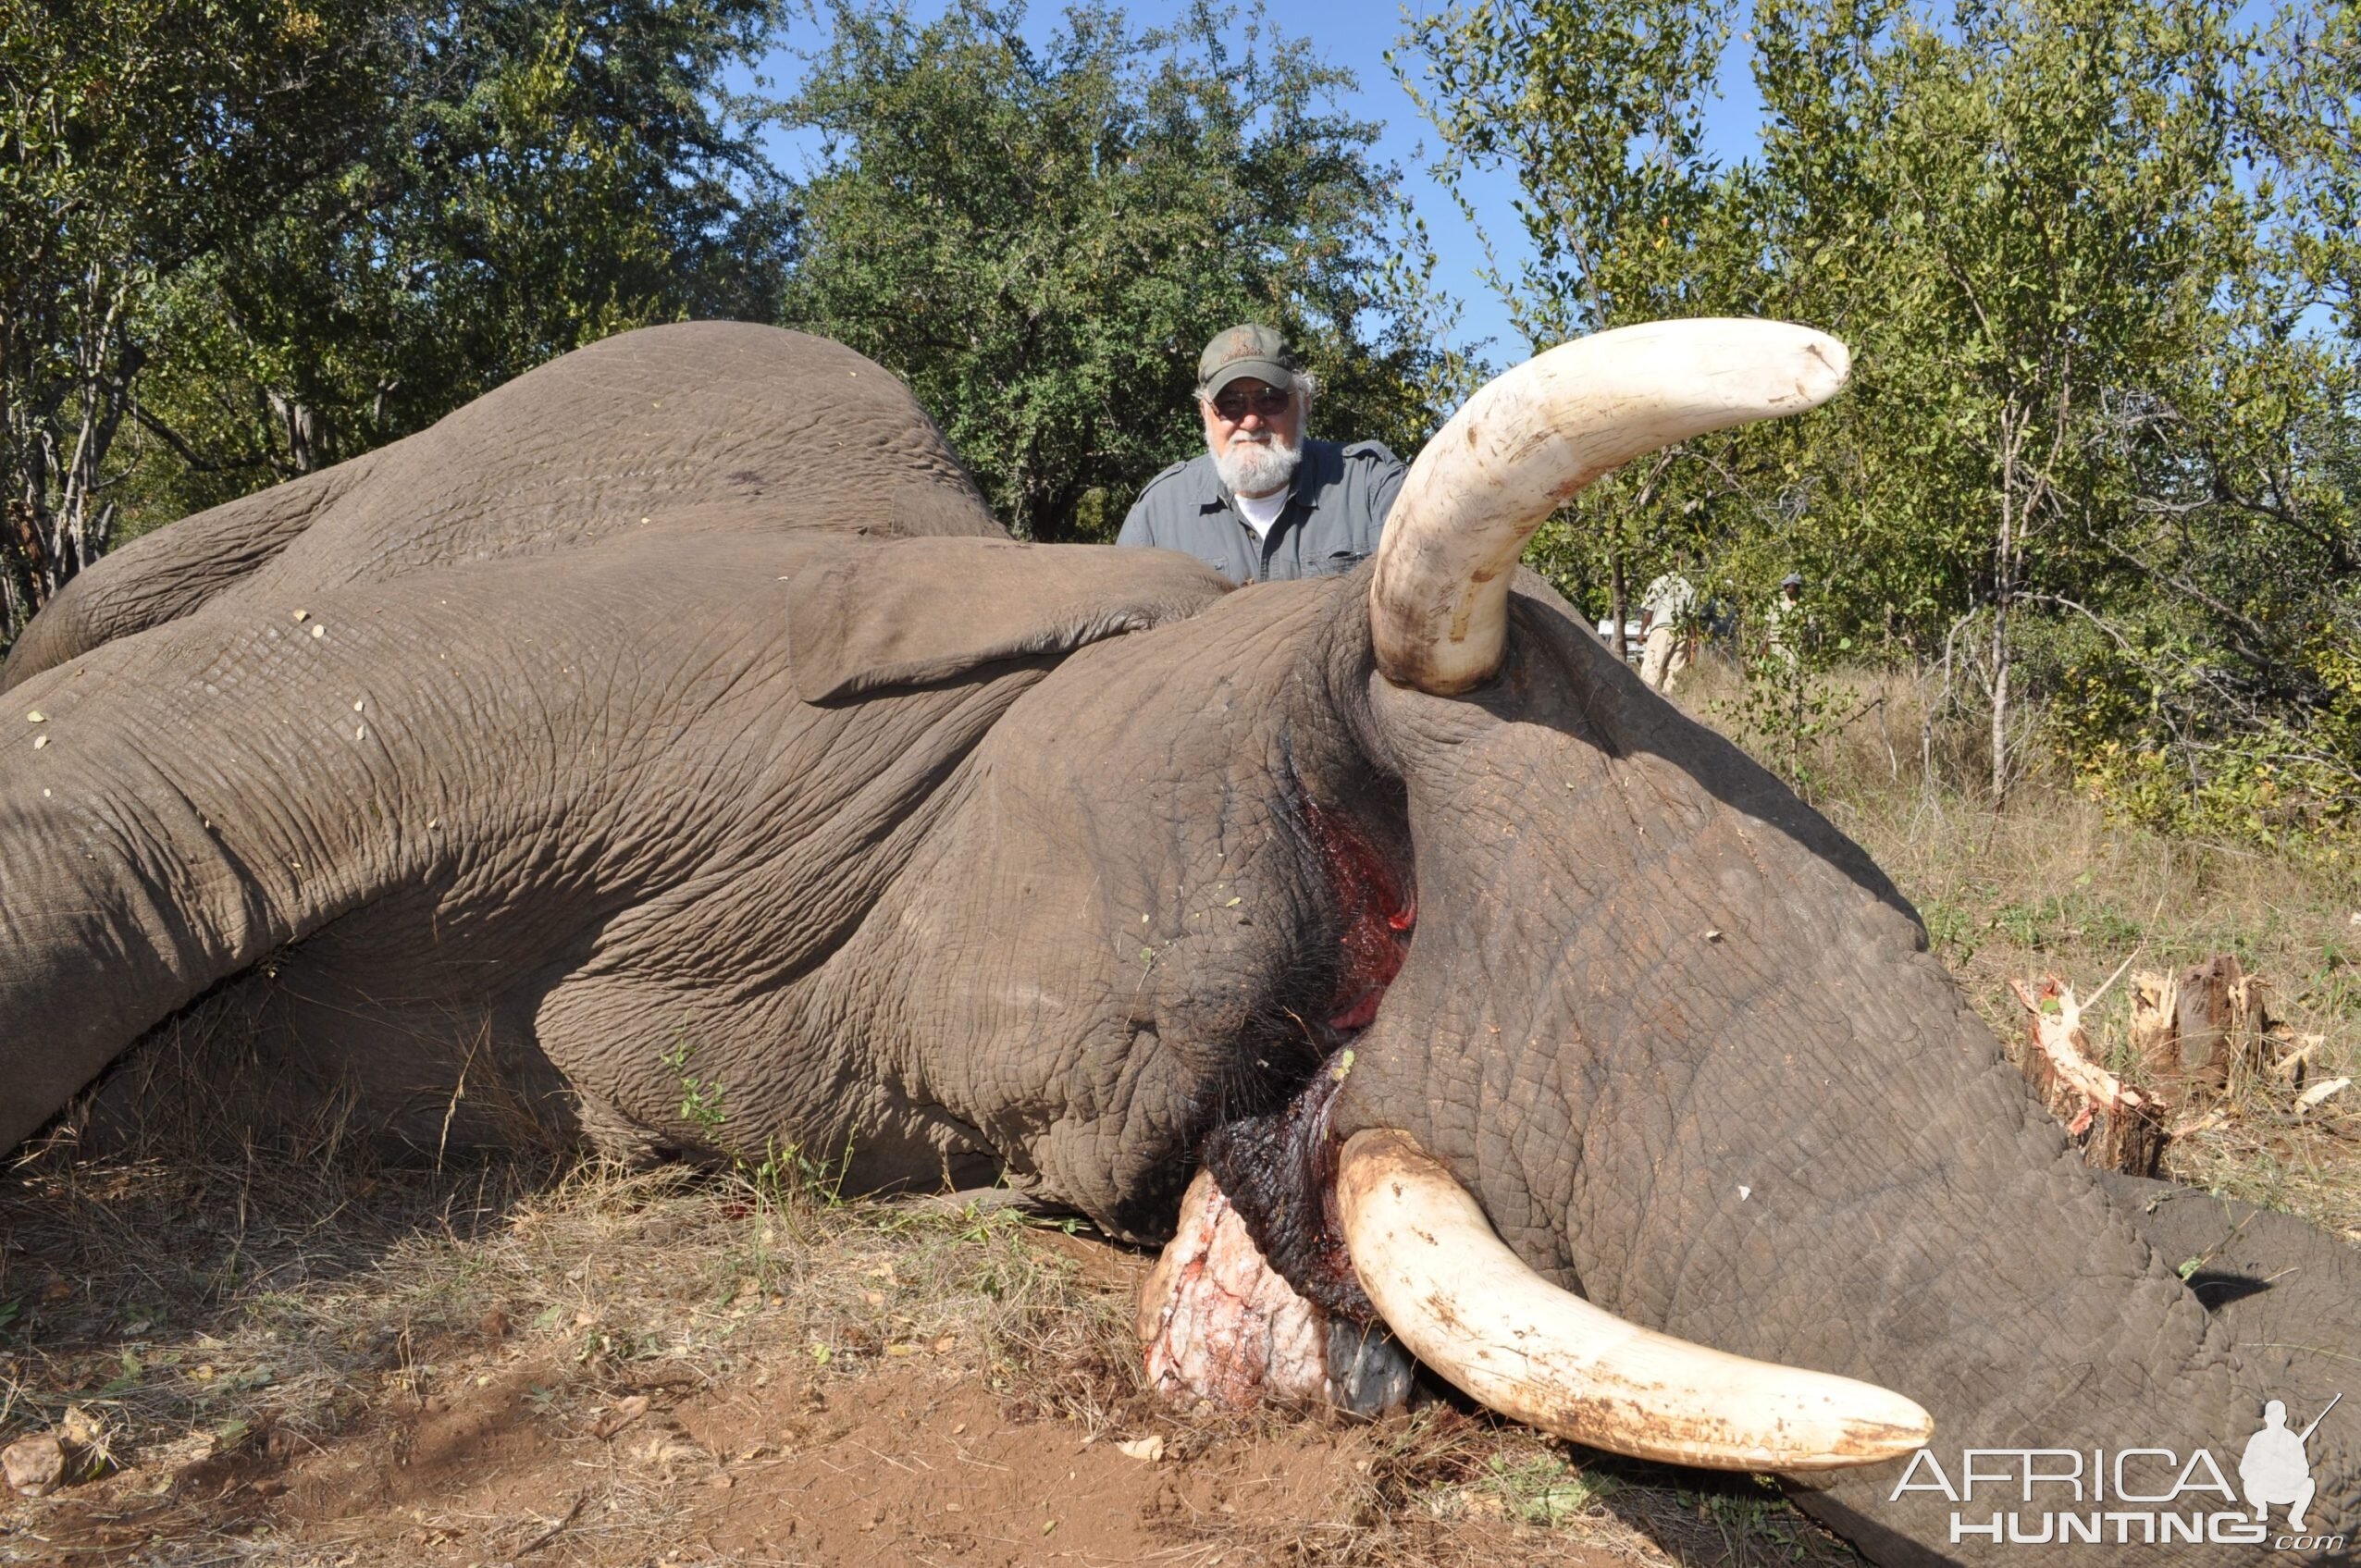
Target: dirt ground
(913,1465)
(297,1362)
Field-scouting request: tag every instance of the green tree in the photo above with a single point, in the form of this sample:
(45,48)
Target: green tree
(1598,108)
(2097,450)
(537,177)
(2091,431)
(134,139)
(2030,213)
(1039,239)
(248,237)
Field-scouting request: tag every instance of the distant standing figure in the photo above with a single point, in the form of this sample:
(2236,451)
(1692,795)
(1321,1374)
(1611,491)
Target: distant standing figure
(1783,623)
(1264,502)
(1665,611)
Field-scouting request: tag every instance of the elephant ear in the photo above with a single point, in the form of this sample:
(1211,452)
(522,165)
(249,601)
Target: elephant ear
(866,617)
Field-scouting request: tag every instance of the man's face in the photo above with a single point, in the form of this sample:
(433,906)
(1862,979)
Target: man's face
(1251,441)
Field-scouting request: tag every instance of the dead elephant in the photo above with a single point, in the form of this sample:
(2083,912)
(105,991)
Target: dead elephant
(678,710)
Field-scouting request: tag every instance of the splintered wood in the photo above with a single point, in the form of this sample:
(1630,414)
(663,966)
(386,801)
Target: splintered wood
(2116,1126)
(2198,1038)
(2202,1032)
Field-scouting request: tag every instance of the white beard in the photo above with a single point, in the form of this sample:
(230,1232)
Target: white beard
(1258,464)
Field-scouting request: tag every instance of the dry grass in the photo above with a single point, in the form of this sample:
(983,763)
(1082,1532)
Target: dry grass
(2051,886)
(220,1317)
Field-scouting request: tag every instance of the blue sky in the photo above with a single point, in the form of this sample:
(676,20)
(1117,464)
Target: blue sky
(1349,36)
(1356,37)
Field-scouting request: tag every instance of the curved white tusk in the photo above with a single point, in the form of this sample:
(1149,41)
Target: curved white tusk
(1467,1307)
(1532,438)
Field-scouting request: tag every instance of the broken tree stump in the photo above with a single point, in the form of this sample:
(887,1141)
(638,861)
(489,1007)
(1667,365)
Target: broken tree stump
(2202,1032)
(2116,1126)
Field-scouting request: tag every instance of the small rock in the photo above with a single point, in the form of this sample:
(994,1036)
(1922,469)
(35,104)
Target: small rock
(35,1465)
(1150,1448)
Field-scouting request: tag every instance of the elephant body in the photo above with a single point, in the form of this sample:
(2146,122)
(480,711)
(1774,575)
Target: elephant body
(671,740)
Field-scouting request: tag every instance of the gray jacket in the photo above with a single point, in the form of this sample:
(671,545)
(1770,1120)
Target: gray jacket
(1336,508)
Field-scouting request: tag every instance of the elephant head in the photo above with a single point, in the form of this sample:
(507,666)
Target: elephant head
(677,714)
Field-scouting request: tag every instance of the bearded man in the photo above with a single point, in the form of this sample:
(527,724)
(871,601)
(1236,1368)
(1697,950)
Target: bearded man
(1264,502)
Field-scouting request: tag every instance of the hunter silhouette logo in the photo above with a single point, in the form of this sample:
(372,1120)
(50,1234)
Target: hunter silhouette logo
(2130,1496)
(2274,1468)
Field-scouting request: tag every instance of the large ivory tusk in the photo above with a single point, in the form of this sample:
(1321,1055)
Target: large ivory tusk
(1464,1303)
(1533,437)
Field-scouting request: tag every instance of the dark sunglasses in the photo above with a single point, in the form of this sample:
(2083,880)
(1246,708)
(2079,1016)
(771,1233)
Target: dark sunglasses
(1271,402)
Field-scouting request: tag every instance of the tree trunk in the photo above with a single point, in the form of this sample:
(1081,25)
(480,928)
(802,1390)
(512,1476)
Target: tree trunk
(2201,1033)
(2003,590)
(13,614)
(54,524)
(2117,1127)
(300,424)
(1618,592)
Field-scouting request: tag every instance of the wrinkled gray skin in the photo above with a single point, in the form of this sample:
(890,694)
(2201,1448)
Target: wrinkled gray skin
(586,812)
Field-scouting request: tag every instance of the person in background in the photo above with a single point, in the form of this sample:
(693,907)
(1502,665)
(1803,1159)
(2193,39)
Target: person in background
(1667,612)
(1263,501)
(1783,623)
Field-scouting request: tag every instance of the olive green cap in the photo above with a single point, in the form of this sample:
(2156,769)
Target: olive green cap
(1244,351)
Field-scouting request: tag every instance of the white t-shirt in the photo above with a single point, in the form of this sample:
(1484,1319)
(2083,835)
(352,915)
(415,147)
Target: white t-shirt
(1668,597)
(1261,511)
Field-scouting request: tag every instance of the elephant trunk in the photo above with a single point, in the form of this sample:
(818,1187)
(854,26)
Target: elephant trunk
(1731,1097)
(2070,1374)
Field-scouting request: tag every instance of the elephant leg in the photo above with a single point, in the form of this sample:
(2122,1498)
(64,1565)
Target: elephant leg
(661,1067)
(186,803)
